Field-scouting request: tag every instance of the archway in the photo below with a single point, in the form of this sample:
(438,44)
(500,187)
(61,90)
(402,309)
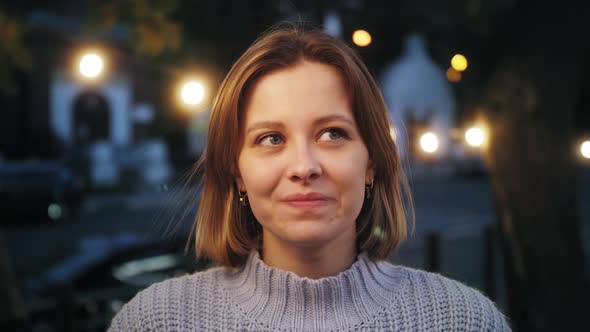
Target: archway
(91,118)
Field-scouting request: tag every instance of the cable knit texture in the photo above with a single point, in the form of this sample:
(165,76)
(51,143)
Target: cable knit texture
(369,296)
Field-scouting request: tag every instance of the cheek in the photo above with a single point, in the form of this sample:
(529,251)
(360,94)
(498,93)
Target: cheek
(349,179)
(350,168)
(354,195)
(259,175)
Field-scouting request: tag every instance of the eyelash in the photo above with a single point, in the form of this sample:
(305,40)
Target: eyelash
(263,137)
(339,131)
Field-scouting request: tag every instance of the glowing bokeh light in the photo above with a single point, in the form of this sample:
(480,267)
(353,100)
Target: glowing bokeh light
(91,65)
(361,38)
(475,137)
(192,93)
(429,142)
(54,211)
(453,75)
(585,149)
(459,62)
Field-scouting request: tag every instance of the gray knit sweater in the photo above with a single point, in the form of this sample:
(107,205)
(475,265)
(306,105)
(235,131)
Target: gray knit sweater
(369,296)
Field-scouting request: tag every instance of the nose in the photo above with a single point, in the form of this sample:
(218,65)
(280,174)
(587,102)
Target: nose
(304,165)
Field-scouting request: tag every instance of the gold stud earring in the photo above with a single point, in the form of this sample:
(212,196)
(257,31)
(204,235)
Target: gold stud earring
(243,198)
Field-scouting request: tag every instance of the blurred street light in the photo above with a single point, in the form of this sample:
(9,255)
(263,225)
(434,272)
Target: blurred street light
(429,142)
(475,137)
(459,62)
(361,38)
(585,149)
(192,93)
(91,65)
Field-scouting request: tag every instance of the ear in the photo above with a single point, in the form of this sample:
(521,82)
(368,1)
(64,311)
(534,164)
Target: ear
(370,173)
(235,172)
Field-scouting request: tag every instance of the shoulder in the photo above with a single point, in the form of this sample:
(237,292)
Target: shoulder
(172,301)
(446,304)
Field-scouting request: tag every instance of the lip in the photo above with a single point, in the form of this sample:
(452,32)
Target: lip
(307,200)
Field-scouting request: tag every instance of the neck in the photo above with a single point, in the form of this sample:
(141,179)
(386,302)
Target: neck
(310,262)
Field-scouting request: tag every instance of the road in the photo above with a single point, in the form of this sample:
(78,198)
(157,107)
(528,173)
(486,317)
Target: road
(458,208)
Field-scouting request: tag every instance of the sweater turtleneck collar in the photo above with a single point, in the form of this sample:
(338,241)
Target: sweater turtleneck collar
(281,299)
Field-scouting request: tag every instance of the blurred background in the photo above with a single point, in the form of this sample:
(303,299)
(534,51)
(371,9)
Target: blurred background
(104,107)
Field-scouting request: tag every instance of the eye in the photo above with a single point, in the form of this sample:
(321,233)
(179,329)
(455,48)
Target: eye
(332,134)
(270,139)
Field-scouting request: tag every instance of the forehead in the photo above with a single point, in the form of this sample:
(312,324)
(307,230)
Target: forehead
(309,88)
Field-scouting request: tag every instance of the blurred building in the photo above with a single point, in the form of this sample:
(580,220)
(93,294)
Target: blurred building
(422,112)
(420,100)
(98,125)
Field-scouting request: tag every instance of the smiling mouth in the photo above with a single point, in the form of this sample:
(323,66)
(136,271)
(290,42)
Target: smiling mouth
(308,204)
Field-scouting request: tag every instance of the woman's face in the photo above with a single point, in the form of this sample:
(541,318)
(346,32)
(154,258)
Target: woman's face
(303,162)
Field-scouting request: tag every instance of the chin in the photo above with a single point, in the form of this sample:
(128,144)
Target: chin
(313,233)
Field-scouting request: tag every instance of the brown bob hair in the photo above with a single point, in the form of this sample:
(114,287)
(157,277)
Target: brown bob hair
(226,231)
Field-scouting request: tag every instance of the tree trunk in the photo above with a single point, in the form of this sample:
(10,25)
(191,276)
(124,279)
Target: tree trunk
(530,105)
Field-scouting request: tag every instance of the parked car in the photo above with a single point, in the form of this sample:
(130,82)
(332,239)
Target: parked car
(85,290)
(38,191)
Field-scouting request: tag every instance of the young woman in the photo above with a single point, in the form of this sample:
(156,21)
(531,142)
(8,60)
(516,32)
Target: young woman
(303,200)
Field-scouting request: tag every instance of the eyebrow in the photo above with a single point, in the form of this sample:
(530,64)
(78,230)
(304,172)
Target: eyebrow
(333,117)
(264,124)
(320,121)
